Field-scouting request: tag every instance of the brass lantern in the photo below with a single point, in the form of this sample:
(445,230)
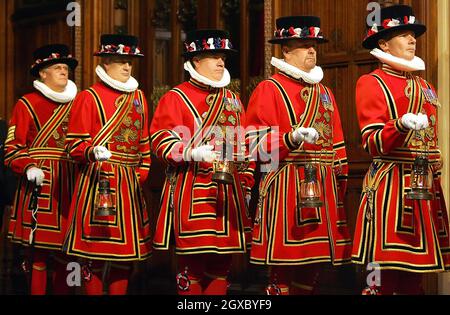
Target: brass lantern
(421,180)
(104,205)
(223,172)
(310,191)
(223,168)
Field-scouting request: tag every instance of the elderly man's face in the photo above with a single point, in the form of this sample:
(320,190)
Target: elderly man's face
(402,45)
(55,76)
(118,68)
(301,54)
(211,66)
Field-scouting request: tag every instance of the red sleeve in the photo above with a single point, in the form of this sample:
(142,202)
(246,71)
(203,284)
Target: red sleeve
(380,134)
(19,138)
(83,118)
(263,126)
(168,138)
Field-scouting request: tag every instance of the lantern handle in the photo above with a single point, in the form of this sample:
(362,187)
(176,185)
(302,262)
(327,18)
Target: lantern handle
(99,171)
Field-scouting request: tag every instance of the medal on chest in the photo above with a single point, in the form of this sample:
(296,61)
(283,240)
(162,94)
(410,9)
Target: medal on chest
(326,101)
(431,96)
(138,106)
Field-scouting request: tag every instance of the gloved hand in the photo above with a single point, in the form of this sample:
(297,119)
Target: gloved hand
(101,153)
(248,198)
(415,122)
(422,122)
(309,135)
(36,175)
(203,153)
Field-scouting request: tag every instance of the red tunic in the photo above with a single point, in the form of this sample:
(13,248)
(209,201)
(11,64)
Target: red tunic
(391,230)
(118,121)
(36,139)
(284,234)
(206,217)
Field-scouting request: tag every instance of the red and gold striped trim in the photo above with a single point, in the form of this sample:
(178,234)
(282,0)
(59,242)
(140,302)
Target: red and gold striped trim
(56,154)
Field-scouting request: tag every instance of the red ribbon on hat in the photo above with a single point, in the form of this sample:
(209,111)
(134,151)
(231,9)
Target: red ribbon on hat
(205,44)
(292,31)
(406,20)
(371,32)
(386,22)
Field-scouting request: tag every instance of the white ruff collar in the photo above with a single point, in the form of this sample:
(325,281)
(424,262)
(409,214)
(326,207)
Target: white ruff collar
(397,63)
(226,79)
(68,95)
(130,86)
(313,77)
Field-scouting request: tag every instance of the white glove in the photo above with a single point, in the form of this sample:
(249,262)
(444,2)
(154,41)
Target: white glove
(36,175)
(422,122)
(102,154)
(415,122)
(203,153)
(248,198)
(309,135)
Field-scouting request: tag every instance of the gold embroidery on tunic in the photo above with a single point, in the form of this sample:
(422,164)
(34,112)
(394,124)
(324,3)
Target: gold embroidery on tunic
(137,124)
(408,89)
(120,100)
(127,150)
(305,94)
(126,135)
